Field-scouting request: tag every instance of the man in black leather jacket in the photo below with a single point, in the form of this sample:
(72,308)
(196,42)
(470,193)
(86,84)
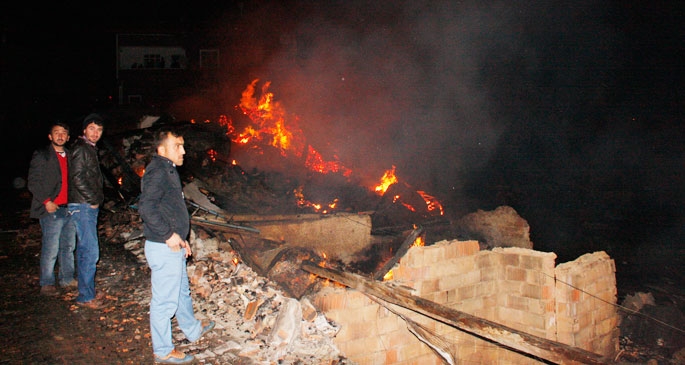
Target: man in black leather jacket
(85,196)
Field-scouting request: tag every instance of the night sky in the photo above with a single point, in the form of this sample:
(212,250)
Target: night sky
(569,111)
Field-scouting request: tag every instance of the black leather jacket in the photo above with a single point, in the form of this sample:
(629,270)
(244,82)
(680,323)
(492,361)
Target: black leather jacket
(85,177)
(44,180)
(162,205)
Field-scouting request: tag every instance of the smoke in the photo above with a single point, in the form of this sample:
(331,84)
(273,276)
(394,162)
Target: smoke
(427,86)
(480,103)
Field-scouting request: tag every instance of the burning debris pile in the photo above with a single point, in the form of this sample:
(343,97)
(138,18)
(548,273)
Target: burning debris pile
(269,167)
(253,227)
(292,204)
(287,187)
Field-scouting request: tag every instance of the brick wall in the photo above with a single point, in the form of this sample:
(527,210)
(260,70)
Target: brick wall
(519,288)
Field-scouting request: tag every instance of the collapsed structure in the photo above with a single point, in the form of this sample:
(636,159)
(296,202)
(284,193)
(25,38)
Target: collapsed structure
(456,300)
(446,302)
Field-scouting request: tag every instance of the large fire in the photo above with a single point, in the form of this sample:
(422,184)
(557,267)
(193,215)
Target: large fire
(272,126)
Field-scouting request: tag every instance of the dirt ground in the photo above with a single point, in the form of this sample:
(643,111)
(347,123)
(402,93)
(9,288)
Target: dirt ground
(53,330)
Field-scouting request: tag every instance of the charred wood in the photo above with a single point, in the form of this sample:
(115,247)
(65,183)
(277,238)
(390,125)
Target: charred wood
(404,247)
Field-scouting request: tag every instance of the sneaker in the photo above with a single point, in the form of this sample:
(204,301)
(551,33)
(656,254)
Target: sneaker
(49,290)
(207,326)
(92,304)
(175,357)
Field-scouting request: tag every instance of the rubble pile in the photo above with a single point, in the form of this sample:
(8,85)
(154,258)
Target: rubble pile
(257,322)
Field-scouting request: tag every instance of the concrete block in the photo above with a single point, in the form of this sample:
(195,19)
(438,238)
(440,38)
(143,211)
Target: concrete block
(433,255)
(515,273)
(414,257)
(531,291)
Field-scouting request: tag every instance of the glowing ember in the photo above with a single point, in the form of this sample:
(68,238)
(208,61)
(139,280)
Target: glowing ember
(409,207)
(226,122)
(432,204)
(388,179)
(304,203)
(388,276)
(316,163)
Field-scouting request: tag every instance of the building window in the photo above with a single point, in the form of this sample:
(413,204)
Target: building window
(153,61)
(135,99)
(209,59)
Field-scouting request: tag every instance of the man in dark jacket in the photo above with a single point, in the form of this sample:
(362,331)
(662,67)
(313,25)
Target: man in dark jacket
(166,225)
(48,182)
(85,196)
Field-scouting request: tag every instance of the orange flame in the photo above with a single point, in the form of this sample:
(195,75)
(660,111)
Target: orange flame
(269,118)
(388,179)
(140,171)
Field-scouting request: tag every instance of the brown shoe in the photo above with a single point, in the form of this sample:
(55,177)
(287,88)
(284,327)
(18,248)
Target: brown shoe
(49,290)
(175,357)
(72,285)
(92,304)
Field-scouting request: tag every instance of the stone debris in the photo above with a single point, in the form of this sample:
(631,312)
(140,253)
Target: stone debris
(502,227)
(257,323)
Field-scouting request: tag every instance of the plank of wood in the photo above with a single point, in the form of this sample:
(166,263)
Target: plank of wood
(404,247)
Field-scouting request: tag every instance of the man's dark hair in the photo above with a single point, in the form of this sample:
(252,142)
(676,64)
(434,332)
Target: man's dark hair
(93,118)
(162,134)
(59,124)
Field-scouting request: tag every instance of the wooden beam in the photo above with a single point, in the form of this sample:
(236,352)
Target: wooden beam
(221,226)
(513,339)
(404,247)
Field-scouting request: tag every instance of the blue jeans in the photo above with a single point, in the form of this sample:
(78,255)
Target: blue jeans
(170,297)
(85,220)
(58,243)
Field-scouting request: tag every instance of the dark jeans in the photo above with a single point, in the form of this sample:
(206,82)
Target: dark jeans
(85,220)
(58,243)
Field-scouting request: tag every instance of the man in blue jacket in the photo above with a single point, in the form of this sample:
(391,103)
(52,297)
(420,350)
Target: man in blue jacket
(166,225)
(48,183)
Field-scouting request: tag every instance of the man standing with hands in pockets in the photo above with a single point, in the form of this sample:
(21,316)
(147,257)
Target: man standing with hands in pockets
(85,196)
(166,225)
(48,183)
